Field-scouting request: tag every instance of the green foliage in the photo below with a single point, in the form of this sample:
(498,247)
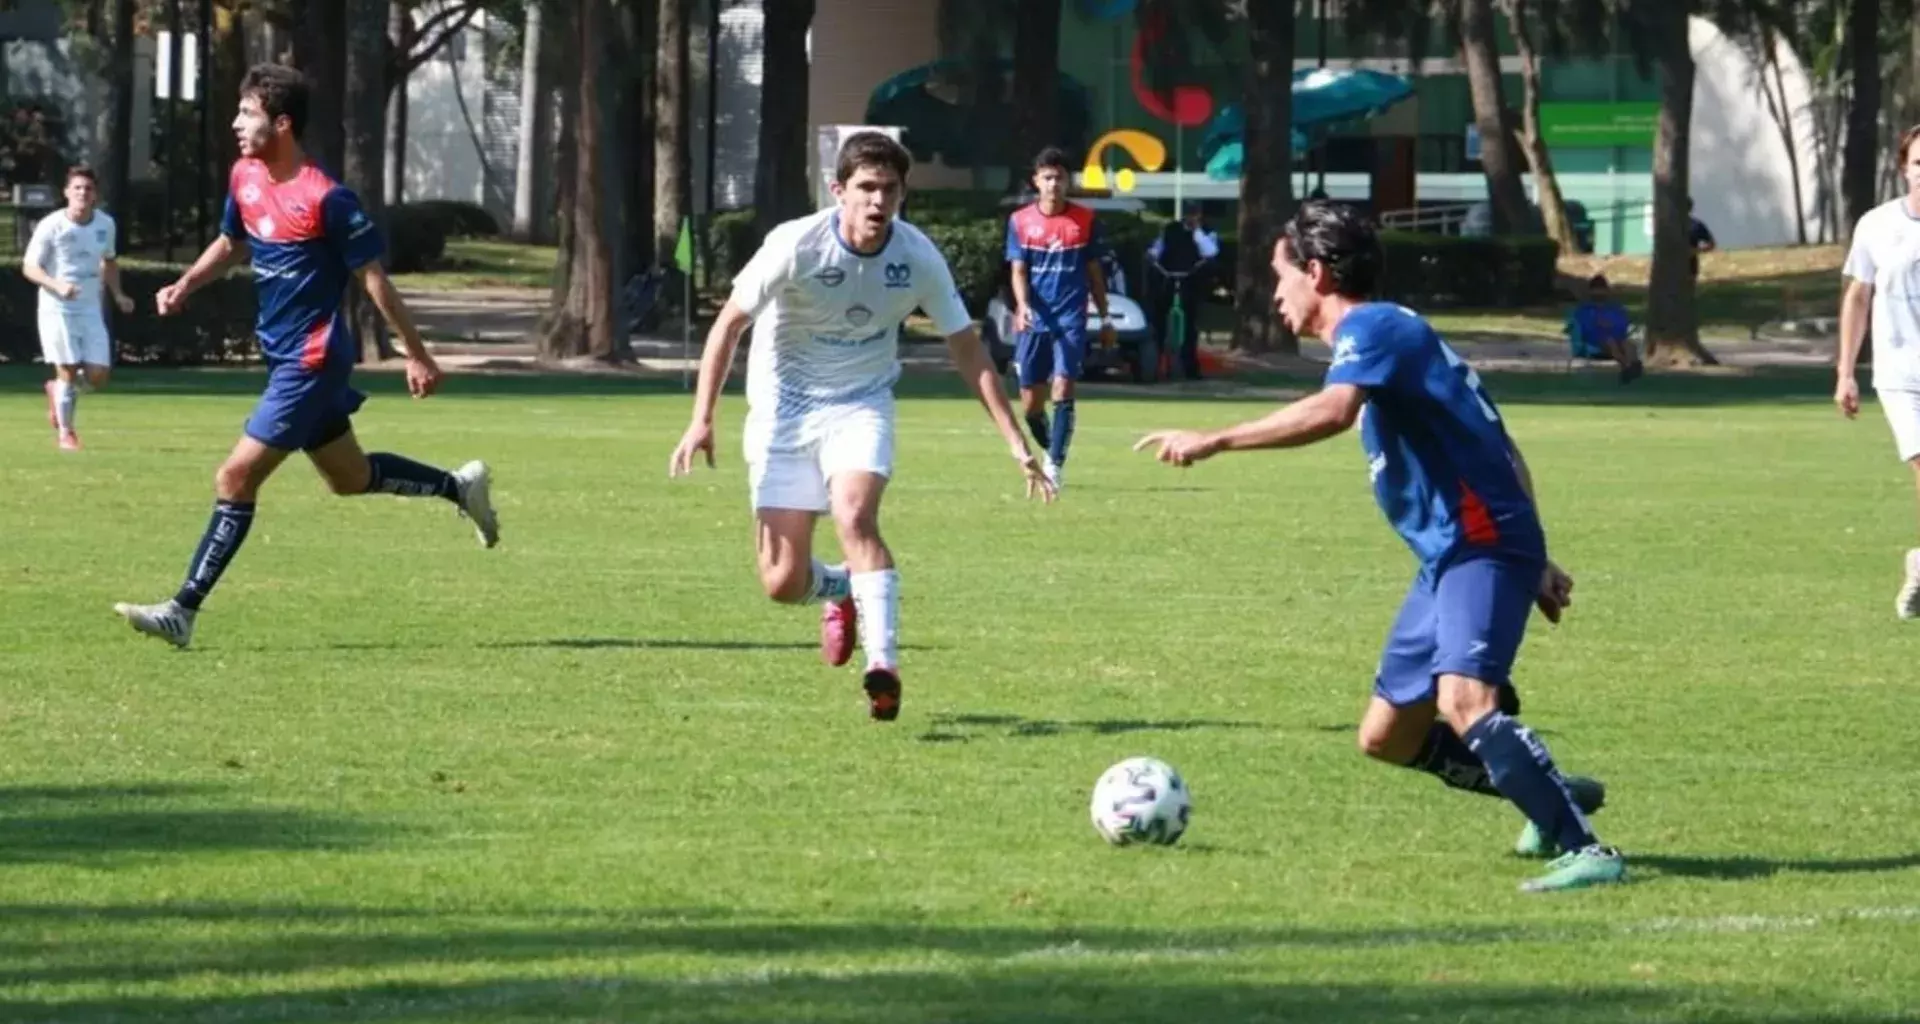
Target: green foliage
(1448,272)
(416,237)
(456,218)
(33,141)
(215,327)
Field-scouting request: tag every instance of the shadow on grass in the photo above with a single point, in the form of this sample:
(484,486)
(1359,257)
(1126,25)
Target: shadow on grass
(946,728)
(581,966)
(108,826)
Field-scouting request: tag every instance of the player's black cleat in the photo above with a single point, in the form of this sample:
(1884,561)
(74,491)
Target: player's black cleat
(883,694)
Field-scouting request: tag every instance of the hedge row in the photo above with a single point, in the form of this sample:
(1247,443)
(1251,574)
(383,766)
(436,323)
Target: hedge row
(216,325)
(1428,271)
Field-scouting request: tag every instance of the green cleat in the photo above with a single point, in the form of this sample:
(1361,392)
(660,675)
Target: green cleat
(1588,794)
(1595,865)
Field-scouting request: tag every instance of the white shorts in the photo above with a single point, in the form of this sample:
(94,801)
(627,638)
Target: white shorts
(796,475)
(70,339)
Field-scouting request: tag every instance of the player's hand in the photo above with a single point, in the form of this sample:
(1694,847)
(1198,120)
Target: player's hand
(423,376)
(1022,319)
(1556,592)
(1037,482)
(1108,336)
(698,438)
(167,301)
(66,290)
(1846,395)
(1179,447)
(123,302)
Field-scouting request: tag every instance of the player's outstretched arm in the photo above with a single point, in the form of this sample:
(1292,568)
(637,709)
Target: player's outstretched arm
(716,360)
(221,253)
(423,373)
(970,359)
(1321,415)
(1856,309)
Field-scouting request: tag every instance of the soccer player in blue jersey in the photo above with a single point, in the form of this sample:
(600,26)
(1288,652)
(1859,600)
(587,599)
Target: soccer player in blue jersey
(1456,489)
(309,240)
(1054,247)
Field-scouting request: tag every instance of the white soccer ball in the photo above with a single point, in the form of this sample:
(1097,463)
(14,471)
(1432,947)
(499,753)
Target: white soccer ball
(1141,800)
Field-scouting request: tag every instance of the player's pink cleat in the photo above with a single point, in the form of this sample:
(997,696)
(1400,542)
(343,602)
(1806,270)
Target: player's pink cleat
(883,693)
(69,441)
(839,632)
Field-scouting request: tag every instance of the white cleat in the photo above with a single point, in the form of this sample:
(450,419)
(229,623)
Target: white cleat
(475,481)
(1056,474)
(1907,605)
(167,620)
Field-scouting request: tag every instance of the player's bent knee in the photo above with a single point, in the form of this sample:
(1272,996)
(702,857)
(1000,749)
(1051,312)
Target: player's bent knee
(1465,700)
(786,582)
(97,377)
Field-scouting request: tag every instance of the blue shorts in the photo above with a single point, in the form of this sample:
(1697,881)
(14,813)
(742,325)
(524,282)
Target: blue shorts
(1044,353)
(304,409)
(1467,619)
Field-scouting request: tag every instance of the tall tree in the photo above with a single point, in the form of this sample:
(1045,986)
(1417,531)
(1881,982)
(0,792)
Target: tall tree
(398,20)
(1672,327)
(587,321)
(1266,190)
(1859,161)
(114,127)
(1480,53)
(320,52)
(536,127)
(364,130)
(782,184)
(1036,81)
(1526,27)
(672,156)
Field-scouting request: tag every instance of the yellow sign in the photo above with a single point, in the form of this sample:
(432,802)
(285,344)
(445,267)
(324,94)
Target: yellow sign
(1150,153)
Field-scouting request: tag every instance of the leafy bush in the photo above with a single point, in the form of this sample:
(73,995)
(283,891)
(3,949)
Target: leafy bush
(215,327)
(1446,271)
(416,237)
(456,218)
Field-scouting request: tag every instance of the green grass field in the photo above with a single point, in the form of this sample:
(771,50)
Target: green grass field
(591,775)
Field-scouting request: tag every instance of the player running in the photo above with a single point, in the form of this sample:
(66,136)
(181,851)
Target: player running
(72,254)
(1055,248)
(826,295)
(1455,487)
(309,239)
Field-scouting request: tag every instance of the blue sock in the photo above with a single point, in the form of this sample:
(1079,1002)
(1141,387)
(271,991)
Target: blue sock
(1519,764)
(397,474)
(225,532)
(1037,425)
(1062,431)
(1445,756)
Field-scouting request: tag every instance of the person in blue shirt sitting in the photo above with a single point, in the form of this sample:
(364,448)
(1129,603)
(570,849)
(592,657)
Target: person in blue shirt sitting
(1598,328)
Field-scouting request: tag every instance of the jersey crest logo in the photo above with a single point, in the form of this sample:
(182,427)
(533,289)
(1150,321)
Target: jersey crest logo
(832,277)
(899,275)
(265,227)
(1343,352)
(859,315)
(250,194)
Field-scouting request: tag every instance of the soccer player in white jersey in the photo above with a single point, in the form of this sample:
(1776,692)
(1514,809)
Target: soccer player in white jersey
(826,295)
(72,253)
(1883,272)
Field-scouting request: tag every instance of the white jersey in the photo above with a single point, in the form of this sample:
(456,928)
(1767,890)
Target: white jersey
(72,252)
(1886,255)
(826,330)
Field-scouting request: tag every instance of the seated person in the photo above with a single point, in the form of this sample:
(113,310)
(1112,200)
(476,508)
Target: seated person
(1598,328)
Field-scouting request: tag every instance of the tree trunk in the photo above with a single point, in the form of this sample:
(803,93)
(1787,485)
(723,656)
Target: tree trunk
(1780,108)
(630,106)
(399,21)
(560,29)
(1036,85)
(1673,329)
(1481,57)
(1860,165)
(115,123)
(320,52)
(584,321)
(364,138)
(672,166)
(1553,205)
(1266,184)
(535,127)
(782,185)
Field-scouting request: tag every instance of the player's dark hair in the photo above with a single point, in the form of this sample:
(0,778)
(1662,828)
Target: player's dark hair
(872,149)
(81,171)
(281,92)
(1907,139)
(1052,157)
(1343,241)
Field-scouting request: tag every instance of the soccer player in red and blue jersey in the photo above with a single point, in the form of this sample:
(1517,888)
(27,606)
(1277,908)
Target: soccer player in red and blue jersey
(1454,486)
(1055,248)
(309,241)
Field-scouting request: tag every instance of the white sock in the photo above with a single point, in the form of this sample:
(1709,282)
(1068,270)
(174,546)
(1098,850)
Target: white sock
(830,582)
(65,400)
(877,595)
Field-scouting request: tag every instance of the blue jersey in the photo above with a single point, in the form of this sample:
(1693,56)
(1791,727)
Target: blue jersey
(307,235)
(1438,453)
(1057,250)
